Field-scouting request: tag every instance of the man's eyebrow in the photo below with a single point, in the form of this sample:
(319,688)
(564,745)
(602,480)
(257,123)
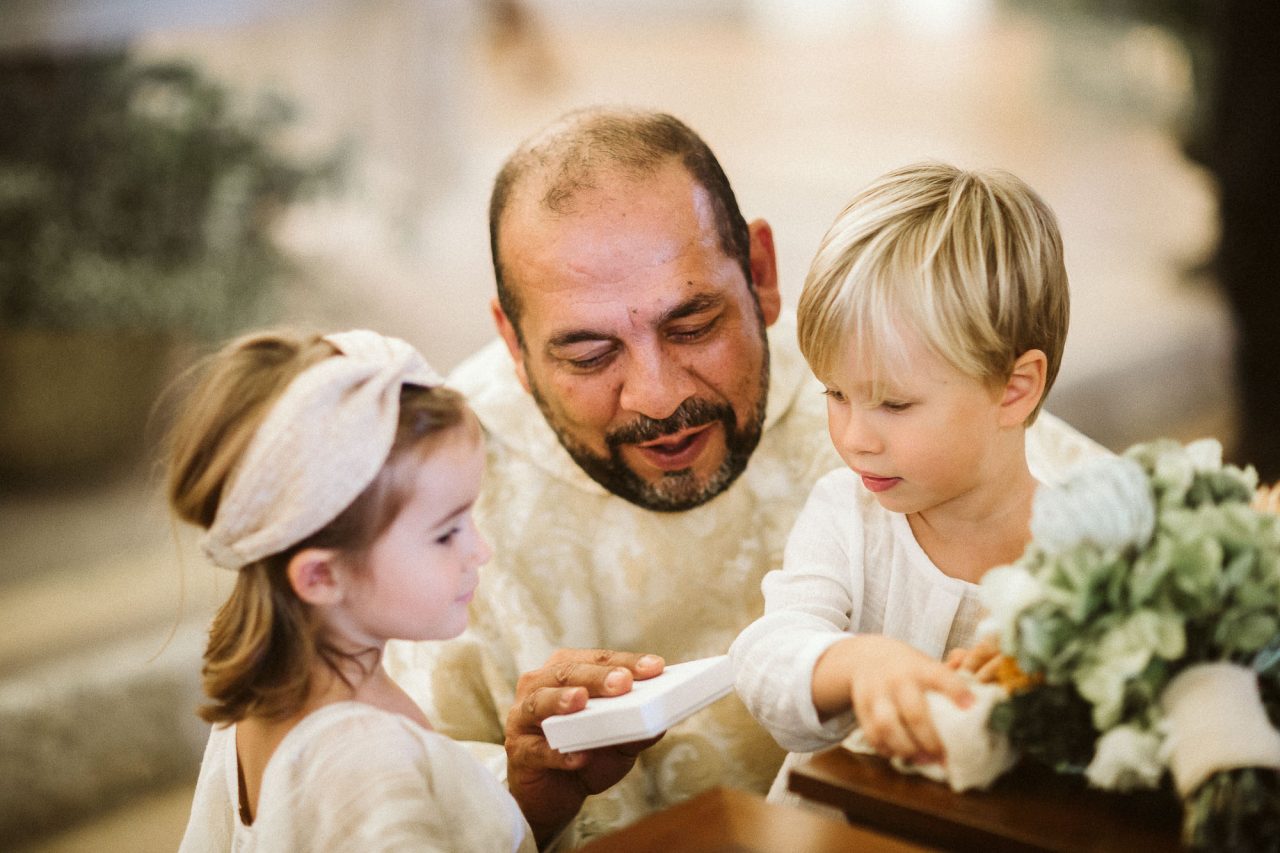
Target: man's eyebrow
(575,336)
(693,305)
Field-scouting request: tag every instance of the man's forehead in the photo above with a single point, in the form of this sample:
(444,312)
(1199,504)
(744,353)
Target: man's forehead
(546,197)
(614,230)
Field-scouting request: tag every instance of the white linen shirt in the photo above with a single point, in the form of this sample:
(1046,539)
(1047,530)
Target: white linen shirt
(352,777)
(851,567)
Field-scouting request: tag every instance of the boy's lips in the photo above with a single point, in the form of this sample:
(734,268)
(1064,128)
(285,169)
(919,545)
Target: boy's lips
(677,451)
(879,484)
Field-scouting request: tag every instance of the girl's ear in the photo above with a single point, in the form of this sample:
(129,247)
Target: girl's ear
(1024,388)
(316,576)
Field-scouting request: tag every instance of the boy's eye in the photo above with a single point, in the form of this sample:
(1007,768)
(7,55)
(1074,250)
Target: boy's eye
(447,536)
(834,394)
(895,406)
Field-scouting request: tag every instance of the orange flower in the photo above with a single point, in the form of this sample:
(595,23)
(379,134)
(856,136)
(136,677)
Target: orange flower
(1011,677)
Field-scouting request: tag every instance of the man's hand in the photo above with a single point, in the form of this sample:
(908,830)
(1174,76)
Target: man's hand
(550,786)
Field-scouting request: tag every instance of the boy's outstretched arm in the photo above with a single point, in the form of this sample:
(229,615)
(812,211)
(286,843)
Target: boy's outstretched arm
(884,681)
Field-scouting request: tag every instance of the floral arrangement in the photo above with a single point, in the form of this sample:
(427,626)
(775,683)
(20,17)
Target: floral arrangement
(1141,630)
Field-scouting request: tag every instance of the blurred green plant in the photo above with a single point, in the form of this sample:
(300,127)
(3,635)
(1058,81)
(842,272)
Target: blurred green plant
(140,196)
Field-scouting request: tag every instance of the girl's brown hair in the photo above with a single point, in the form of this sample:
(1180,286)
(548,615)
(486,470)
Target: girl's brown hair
(264,641)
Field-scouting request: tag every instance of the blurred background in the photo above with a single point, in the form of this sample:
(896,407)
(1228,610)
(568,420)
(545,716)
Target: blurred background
(173,172)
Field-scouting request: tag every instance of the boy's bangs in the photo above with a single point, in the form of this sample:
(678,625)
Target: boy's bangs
(877,339)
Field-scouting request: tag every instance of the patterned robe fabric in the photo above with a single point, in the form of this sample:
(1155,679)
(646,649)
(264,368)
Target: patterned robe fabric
(576,566)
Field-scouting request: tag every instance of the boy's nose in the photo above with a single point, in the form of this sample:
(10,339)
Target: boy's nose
(858,436)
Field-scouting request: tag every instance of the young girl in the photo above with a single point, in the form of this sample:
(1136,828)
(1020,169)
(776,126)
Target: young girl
(335,477)
(935,314)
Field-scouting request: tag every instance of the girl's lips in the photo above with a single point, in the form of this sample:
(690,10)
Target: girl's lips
(676,452)
(879,484)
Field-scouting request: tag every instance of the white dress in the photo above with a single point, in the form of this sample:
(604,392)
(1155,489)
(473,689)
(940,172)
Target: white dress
(353,777)
(576,566)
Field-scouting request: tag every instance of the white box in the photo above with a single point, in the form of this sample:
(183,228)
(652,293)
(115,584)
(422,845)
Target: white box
(653,706)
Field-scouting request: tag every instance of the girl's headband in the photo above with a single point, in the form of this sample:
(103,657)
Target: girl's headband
(321,445)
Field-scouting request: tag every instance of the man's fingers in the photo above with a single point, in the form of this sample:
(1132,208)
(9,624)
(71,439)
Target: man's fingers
(601,672)
(528,713)
(642,665)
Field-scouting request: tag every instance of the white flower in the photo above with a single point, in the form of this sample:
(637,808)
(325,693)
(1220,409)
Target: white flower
(1126,758)
(1005,592)
(1106,501)
(1205,455)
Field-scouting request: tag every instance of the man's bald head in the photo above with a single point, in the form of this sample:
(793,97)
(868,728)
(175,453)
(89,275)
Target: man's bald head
(553,168)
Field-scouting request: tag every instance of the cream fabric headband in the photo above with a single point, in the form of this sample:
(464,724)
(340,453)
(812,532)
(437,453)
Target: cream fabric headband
(319,447)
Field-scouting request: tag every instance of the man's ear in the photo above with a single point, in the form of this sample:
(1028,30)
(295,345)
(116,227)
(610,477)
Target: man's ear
(764,270)
(1024,388)
(316,576)
(507,330)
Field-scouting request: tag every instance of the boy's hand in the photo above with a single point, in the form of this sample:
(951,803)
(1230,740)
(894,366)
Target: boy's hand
(886,683)
(982,660)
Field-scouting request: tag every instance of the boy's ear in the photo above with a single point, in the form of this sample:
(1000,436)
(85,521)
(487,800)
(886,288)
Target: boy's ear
(1024,388)
(316,576)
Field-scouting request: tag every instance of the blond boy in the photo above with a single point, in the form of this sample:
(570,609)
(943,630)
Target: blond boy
(935,315)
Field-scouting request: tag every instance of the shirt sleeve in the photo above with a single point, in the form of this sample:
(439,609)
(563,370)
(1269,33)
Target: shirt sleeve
(212,822)
(811,603)
(1054,447)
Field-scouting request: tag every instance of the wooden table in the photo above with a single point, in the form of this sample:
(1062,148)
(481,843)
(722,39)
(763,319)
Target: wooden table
(724,820)
(1030,808)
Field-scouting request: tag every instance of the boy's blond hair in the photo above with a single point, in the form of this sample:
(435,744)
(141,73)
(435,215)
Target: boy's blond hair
(970,262)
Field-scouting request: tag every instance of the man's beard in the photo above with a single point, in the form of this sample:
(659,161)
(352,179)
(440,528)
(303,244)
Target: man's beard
(674,491)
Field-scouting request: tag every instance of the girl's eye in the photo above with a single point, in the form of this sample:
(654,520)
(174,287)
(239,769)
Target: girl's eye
(447,537)
(895,406)
(834,394)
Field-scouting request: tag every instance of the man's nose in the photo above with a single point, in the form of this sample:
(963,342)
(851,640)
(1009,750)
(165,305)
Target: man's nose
(654,384)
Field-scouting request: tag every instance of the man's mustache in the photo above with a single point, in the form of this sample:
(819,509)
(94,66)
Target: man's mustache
(691,413)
